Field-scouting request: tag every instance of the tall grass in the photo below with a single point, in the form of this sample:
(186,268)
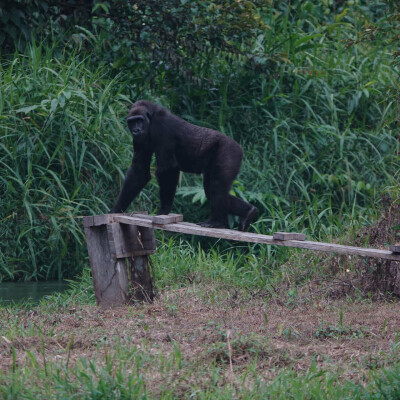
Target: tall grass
(61,148)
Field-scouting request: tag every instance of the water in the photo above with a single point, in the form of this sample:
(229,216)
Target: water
(18,291)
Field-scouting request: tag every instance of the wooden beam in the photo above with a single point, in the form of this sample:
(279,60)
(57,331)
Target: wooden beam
(104,219)
(130,240)
(188,228)
(109,274)
(167,219)
(118,258)
(142,220)
(289,236)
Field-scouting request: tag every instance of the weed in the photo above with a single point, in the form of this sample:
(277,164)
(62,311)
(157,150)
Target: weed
(339,331)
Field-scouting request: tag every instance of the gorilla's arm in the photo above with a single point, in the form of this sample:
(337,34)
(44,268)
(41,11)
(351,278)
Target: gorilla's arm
(168,181)
(136,178)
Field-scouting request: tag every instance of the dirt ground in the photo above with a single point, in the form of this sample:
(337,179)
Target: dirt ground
(216,325)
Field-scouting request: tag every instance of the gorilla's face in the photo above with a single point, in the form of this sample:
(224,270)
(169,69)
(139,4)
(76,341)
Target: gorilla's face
(138,123)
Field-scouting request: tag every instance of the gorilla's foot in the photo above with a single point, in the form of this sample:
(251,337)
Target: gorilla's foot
(162,211)
(212,224)
(248,219)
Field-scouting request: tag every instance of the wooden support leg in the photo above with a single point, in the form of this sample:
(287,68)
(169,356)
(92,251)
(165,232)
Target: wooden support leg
(141,279)
(109,274)
(118,256)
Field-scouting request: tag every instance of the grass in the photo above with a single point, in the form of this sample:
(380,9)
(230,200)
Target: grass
(205,340)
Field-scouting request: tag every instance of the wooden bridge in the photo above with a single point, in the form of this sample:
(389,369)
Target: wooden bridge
(119,246)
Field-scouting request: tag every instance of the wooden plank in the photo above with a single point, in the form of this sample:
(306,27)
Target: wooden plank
(142,288)
(178,217)
(139,221)
(288,236)
(167,219)
(88,221)
(114,239)
(129,240)
(109,275)
(185,227)
(142,216)
(395,248)
(104,219)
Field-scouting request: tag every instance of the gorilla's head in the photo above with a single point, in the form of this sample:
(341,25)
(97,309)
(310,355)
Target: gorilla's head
(139,123)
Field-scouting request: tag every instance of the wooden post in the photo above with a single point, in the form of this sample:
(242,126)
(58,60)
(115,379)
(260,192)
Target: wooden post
(141,279)
(118,256)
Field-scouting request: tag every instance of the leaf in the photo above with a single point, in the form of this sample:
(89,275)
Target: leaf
(306,39)
(61,100)
(28,109)
(199,196)
(54,104)
(104,6)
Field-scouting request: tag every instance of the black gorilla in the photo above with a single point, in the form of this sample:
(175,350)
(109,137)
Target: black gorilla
(181,146)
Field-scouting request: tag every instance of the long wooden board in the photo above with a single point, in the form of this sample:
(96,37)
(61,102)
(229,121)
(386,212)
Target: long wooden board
(185,227)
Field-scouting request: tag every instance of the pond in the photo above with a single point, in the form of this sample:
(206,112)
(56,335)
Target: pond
(18,291)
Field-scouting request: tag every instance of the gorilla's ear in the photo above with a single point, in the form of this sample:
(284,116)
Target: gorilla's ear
(149,115)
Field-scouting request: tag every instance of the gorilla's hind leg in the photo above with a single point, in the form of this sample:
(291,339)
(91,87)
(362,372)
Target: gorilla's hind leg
(247,219)
(217,193)
(217,184)
(245,211)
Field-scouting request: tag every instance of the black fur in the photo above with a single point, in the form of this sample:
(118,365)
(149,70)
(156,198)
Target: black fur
(181,146)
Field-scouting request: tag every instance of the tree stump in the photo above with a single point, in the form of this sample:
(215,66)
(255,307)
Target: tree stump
(118,256)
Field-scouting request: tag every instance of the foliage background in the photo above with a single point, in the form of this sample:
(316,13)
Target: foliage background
(309,89)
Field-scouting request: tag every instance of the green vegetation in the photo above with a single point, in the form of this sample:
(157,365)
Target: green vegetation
(309,89)
(313,106)
(61,145)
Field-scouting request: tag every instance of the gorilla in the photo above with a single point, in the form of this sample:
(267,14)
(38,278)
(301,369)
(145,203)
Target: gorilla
(181,146)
